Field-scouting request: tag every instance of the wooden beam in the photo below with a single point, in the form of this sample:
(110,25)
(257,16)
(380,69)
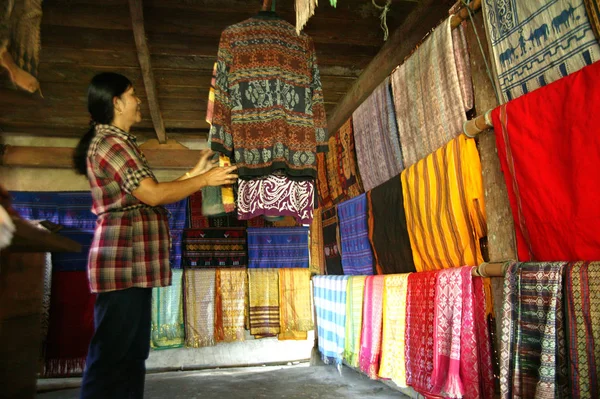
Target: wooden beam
(137,21)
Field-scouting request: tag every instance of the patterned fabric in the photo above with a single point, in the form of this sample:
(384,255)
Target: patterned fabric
(330,307)
(73,261)
(278,247)
(36,205)
(347,165)
(230,304)
(393,362)
(593,11)
(317,255)
(444,205)
(551,227)
(335,181)
(331,247)
(227,191)
(276,195)
(46,298)
(269,112)
(537,42)
(582,291)
(74,210)
(357,256)
(295,311)
(264,302)
(322,183)
(430,107)
(131,241)
(212,201)
(199,303)
(370,337)
(196,219)
(376,135)
(533,353)
(168,328)
(387,229)
(355,293)
(215,247)
(177,222)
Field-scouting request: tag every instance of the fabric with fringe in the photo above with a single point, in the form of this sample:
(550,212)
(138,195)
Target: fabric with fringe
(168,328)
(199,307)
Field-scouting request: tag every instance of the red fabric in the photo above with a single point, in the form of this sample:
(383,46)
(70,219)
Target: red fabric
(550,155)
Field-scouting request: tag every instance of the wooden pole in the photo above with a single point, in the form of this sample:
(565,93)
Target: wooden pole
(463,13)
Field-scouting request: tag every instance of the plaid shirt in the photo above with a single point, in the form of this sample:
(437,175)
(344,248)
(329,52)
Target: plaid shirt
(131,241)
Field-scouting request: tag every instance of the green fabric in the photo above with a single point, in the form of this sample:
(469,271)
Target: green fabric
(168,329)
(354,309)
(212,201)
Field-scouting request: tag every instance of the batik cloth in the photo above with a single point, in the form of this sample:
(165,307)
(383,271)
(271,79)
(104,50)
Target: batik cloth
(445,208)
(388,234)
(317,255)
(199,304)
(533,352)
(370,337)
(376,136)
(393,361)
(168,328)
(215,247)
(428,97)
(347,165)
(330,306)
(534,43)
(355,293)
(295,309)
(563,225)
(331,246)
(357,256)
(230,301)
(276,195)
(323,195)
(335,181)
(582,292)
(264,302)
(278,247)
(593,11)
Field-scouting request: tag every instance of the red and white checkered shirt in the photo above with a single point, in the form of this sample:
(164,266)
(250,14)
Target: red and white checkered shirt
(131,241)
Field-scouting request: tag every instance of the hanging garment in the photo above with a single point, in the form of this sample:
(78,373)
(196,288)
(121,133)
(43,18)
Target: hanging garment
(215,247)
(370,337)
(533,353)
(376,136)
(322,183)
(46,299)
(230,304)
(387,229)
(36,205)
(264,302)
(554,207)
(295,311)
(212,201)
(74,210)
(357,256)
(347,164)
(331,246)
(278,247)
(196,219)
(227,194)
(534,43)
(430,107)
(582,285)
(168,328)
(593,11)
(393,360)
(304,10)
(445,208)
(330,307)
(199,304)
(177,222)
(335,181)
(317,255)
(355,294)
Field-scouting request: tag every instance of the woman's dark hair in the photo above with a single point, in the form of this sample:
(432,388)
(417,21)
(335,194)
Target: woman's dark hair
(101,91)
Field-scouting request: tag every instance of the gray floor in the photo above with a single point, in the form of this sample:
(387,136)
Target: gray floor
(301,382)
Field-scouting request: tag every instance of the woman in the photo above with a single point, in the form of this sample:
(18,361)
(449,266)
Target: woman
(130,251)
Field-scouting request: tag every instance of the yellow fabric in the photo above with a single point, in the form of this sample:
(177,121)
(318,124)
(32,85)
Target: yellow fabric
(227,191)
(295,312)
(317,255)
(264,301)
(394,326)
(293,336)
(445,208)
(199,307)
(230,307)
(355,293)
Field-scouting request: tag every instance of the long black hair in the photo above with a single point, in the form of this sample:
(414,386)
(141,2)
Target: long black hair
(103,88)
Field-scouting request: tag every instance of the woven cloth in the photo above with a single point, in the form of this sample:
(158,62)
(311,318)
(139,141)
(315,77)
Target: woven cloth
(430,107)
(168,328)
(370,337)
(335,180)
(199,304)
(534,43)
(323,195)
(278,247)
(177,222)
(230,304)
(355,293)
(317,254)
(376,136)
(582,294)
(215,247)
(554,207)
(593,11)
(263,286)
(331,246)
(357,255)
(295,309)
(330,307)
(445,208)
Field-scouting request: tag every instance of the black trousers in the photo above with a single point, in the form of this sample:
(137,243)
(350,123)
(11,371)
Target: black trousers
(116,361)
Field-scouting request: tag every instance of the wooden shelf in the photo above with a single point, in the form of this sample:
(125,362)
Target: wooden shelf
(28,238)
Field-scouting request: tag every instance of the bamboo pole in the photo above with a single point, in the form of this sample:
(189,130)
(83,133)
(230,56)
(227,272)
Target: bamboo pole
(479,124)
(495,269)
(463,13)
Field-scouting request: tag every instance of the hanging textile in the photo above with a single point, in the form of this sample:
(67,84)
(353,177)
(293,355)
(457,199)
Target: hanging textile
(227,194)
(230,300)
(593,11)
(393,362)
(199,303)
(294,300)
(304,10)
(563,225)
(582,285)
(278,247)
(264,302)
(387,229)
(330,307)
(196,219)
(533,353)
(317,255)
(46,299)
(276,195)
(335,181)
(212,201)
(168,328)
(73,261)
(322,184)
(331,246)
(177,222)
(444,205)
(347,165)
(430,107)
(355,293)
(215,247)
(376,135)
(370,337)
(534,43)
(357,256)
(75,210)
(36,205)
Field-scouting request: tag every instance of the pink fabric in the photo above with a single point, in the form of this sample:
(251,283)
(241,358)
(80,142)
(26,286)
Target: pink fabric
(370,340)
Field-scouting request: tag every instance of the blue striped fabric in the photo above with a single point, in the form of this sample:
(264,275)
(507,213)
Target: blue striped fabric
(357,255)
(278,247)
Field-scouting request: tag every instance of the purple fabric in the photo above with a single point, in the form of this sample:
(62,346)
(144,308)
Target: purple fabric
(357,255)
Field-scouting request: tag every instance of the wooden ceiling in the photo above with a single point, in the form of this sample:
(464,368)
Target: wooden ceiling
(83,37)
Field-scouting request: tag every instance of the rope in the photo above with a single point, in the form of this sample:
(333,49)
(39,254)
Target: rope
(383,17)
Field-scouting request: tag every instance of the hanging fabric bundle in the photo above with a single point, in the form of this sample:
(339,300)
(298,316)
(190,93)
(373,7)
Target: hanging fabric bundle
(355,294)
(304,10)
(230,304)
(357,255)
(294,303)
(199,298)
(168,328)
(370,337)
(263,286)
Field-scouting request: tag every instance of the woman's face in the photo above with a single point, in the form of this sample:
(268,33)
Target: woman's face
(129,105)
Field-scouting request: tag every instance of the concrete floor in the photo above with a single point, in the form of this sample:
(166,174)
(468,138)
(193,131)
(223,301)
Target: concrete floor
(290,382)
